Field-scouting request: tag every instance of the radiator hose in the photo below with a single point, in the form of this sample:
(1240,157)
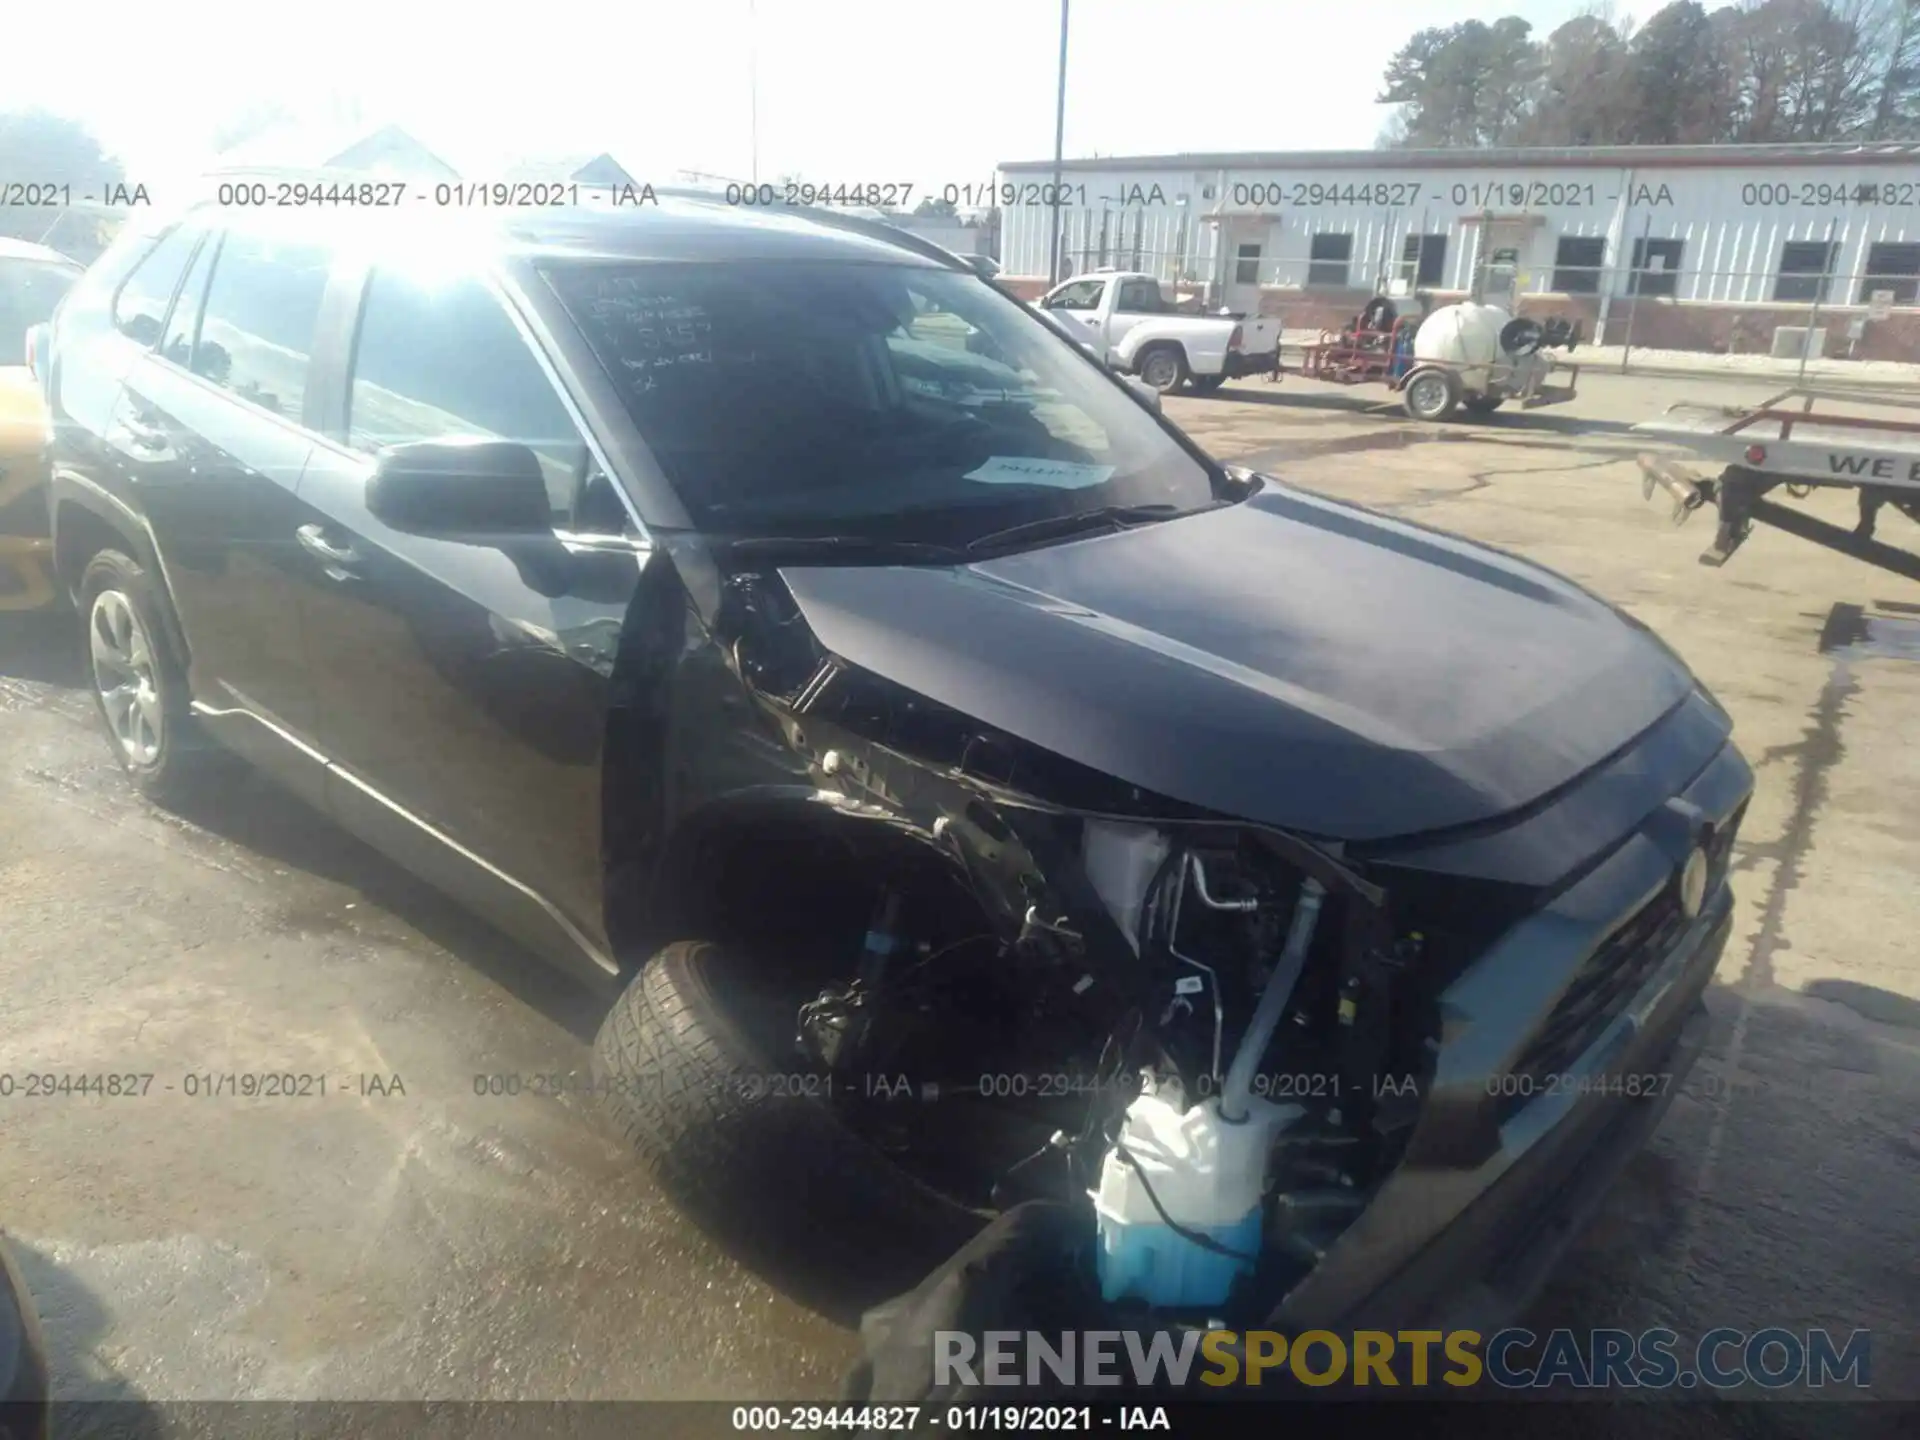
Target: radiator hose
(1238,1087)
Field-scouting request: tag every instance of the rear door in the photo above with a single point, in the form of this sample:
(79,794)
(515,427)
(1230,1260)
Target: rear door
(463,708)
(213,423)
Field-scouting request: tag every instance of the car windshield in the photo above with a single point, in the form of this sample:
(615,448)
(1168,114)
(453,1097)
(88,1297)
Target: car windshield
(29,291)
(871,400)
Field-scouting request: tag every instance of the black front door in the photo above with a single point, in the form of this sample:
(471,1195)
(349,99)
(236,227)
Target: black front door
(463,708)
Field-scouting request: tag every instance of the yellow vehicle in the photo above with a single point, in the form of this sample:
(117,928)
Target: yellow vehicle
(32,281)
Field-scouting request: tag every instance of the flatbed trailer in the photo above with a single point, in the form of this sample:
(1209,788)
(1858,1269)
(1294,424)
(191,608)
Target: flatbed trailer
(1786,443)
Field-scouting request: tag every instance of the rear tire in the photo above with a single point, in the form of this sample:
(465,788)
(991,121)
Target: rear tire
(1163,366)
(740,1137)
(139,686)
(1431,394)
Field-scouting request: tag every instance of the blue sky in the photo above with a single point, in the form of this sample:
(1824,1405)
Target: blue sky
(848,90)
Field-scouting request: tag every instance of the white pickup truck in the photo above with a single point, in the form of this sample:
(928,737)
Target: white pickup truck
(1129,322)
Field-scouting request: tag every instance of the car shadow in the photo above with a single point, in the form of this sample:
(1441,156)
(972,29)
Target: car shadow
(1869,1002)
(243,806)
(91,1400)
(42,648)
(1376,403)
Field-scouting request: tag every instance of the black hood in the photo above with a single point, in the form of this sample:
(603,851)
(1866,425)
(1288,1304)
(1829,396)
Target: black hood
(1288,660)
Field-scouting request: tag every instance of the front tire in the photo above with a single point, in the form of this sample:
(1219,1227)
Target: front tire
(138,685)
(740,1136)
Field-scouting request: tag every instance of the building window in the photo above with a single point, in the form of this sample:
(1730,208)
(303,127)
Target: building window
(1892,266)
(1577,262)
(1246,265)
(1423,260)
(1328,260)
(1805,268)
(1656,267)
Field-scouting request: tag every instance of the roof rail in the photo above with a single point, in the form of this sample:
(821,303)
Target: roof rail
(888,234)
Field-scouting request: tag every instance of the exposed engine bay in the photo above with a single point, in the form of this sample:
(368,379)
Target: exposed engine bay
(1227,1102)
(1078,945)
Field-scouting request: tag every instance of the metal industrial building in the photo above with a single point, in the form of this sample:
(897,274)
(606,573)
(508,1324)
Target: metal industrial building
(1722,248)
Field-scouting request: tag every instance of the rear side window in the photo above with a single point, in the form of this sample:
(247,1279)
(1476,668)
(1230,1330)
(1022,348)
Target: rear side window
(256,332)
(184,322)
(141,305)
(443,360)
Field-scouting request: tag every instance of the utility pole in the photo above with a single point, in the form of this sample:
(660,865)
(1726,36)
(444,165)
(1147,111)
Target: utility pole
(1059,146)
(753,87)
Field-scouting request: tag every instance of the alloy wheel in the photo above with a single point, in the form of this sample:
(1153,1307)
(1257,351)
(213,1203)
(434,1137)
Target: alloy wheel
(125,677)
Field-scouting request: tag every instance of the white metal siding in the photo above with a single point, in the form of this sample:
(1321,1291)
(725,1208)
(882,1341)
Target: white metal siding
(1734,220)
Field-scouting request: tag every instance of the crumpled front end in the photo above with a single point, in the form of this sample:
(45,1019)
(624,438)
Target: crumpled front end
(1272,1070)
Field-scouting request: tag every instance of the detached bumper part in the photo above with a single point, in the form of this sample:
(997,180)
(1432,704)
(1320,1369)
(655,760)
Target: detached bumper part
(1548,395)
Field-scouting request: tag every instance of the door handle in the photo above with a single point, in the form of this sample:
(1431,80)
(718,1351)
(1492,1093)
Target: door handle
(313,539)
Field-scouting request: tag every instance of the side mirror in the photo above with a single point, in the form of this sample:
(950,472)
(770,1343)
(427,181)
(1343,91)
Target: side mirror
(477,492)
(458,489)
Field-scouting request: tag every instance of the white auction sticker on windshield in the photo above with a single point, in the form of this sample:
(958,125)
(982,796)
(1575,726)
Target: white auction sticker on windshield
(1060,474)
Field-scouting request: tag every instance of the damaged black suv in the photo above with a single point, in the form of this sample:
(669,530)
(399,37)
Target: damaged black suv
(930,751)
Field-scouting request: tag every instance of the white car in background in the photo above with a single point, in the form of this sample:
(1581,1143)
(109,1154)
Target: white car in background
(1128,320)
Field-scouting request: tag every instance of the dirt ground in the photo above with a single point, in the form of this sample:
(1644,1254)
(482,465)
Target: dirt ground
(448,1244)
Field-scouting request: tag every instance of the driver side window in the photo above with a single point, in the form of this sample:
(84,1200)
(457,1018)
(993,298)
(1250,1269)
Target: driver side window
(437,360)
(1080,295)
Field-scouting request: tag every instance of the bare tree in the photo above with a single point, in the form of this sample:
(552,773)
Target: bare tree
(1581,98)
(1896,108)
(51,150)
(1758,71)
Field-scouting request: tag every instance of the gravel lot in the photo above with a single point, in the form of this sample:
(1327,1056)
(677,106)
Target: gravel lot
(439,1243)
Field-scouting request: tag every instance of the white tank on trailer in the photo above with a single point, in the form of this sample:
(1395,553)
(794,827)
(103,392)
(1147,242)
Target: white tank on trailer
(1466,337)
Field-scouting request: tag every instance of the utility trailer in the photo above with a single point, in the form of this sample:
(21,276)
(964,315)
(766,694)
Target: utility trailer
(1465,356)
(1786,443)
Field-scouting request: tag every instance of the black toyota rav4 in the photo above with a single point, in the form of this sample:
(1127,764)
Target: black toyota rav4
(916,738)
